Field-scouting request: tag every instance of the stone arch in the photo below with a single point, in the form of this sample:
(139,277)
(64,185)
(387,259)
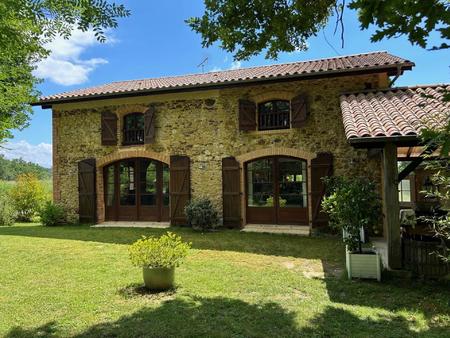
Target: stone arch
(118,155)
(130,153)
(276,151)
(273,95)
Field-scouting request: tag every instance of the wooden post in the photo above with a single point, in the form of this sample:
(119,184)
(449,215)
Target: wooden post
(391,207)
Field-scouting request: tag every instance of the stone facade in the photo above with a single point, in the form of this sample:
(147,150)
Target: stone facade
(204,126)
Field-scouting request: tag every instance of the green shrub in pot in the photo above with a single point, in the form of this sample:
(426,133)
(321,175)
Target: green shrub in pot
(354,206)
(158,258)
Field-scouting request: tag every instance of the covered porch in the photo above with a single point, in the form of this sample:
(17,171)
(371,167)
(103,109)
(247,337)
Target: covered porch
(388,124)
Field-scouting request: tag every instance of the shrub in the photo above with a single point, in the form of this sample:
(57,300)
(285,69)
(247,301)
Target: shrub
(52,214)
(7,212)
(28,196)
(166,251)
(201,214)
(352,204)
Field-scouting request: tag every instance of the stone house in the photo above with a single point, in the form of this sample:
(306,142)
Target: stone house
(255,141)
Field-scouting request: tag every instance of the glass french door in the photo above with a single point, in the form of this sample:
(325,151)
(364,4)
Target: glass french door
(277,191)
(137,190)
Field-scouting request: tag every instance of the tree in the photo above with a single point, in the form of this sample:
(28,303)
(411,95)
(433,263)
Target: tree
(25,27)
(246,28)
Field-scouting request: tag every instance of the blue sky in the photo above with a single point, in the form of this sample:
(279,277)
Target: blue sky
(154,41)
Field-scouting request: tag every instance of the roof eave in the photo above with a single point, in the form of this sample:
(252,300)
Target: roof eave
(391,70)
(380,141)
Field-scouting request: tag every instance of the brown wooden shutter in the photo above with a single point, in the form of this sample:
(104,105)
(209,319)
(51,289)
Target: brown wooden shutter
(149,125)
(321,166)
(109,129)
(180,188)
(231,192)
(299,111)
(247,115)
(87,202)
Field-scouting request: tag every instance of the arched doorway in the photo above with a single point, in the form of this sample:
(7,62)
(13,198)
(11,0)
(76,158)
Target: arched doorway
(276,190)
(136,189)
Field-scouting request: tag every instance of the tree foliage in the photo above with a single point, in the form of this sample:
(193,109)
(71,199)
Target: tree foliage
(10,169)
(28,196)
(247,28)
(25,27)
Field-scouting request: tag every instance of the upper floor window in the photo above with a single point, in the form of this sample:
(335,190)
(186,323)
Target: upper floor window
(133,129)
(274,115)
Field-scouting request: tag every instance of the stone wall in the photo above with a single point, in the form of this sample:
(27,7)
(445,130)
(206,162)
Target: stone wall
(204,126)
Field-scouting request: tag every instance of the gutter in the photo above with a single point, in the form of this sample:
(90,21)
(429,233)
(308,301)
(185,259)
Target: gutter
(214,85)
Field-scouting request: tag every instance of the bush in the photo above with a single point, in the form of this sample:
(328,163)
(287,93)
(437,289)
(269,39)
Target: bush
(7,212)
(352,204)
(53,214)
(201,214)
(28,196)
(166,251)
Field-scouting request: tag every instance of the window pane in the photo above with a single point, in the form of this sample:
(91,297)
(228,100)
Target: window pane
(404,191)
(165,184)
(148,181)
(292,183)
(133,131)
(110,187)
(127,183)
(260,183)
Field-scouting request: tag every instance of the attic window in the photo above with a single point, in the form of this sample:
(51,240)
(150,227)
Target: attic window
(274,115)
(133,129)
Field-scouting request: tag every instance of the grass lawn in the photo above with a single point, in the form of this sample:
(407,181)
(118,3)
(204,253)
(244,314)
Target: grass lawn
(78,281)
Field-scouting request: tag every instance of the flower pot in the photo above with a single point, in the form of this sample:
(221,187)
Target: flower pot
(158,278)
(363,265)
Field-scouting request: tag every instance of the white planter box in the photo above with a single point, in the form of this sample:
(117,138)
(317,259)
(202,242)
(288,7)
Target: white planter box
(365,265)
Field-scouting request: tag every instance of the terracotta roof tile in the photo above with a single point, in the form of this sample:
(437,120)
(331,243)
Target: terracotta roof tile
(394,112)
(348,63)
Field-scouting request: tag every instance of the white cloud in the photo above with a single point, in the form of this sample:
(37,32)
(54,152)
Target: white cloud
(236,65)
(216,69)
(40,154)
(64,65)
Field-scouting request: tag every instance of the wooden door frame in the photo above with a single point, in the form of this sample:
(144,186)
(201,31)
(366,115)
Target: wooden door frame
(137,181)
(276,186)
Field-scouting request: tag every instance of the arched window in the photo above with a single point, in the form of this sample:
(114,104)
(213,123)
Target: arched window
(133,129)
(274,114)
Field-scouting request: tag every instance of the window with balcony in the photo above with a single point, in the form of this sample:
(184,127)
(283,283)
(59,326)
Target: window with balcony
(274,115)
(133,129)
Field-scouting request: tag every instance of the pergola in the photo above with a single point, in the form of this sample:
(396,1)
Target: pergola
(390,122)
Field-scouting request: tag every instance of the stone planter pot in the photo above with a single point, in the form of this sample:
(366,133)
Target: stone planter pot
(363,265)
(158,279)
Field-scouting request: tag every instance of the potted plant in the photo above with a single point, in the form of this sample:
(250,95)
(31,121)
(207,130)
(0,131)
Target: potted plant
(354,206)
(158,258)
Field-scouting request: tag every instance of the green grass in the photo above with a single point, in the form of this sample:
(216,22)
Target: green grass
(77,281)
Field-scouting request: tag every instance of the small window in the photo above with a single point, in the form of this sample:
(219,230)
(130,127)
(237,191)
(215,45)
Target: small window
(274,115)
(133,129)
(404,191)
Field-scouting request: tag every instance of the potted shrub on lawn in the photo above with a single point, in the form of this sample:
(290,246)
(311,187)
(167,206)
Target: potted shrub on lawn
(158,258)
(354,206)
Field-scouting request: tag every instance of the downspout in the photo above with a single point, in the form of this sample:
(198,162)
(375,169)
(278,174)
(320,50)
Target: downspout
(399,72)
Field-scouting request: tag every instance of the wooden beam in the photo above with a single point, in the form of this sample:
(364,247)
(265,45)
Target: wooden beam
(391,206)
(416,162)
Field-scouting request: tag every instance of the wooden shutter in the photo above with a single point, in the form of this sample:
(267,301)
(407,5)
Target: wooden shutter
(87,202)
(247,115)
(231,192)
(321,166)
(149,125)
(299,111)
(109,129)
(180,188)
